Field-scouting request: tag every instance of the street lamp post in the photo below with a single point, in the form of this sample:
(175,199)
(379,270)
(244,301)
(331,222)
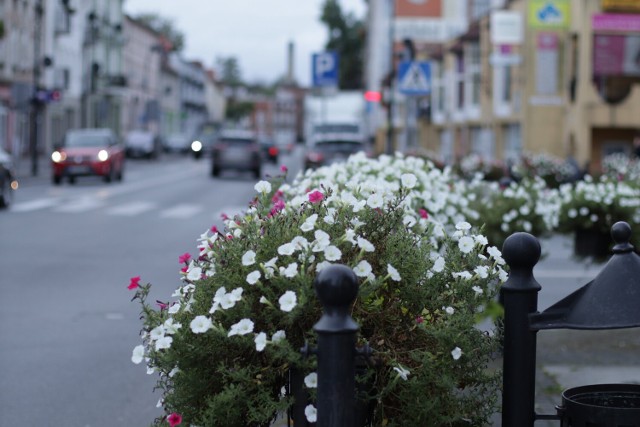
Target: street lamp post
(35,101)
(389,145)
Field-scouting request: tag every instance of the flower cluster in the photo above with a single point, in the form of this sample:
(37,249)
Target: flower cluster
(598,204)
(225,346)
(621,167)
(553,170)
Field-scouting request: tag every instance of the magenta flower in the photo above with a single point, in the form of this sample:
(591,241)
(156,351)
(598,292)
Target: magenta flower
(184,269)
(174,419)
(184,258)
(135,283)
(214,229)
(284,169)
(162,305)
(424,214)
(316,196)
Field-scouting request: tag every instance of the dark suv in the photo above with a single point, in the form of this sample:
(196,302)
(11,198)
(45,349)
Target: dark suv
(237,150)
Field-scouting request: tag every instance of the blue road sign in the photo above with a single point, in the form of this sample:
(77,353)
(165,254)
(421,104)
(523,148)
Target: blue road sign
(324,68)
(414,78)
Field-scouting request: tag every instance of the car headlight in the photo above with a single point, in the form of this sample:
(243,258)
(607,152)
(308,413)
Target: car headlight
(103,155)
(196,146)
(58,156)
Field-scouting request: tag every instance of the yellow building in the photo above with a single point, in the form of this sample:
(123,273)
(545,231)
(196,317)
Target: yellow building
(543,76)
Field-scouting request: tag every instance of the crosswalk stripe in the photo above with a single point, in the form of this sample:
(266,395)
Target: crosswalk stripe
(80,205)
(131,209)
(34,205)
(181,211)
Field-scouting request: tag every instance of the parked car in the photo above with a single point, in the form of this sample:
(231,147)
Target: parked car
(177,143)
(330,151)
(237,150)
(88,152)
(142,143)
(8,181)
(270,150)
(204,140)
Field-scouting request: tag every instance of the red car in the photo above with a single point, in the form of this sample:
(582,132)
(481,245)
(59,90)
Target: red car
(86,152)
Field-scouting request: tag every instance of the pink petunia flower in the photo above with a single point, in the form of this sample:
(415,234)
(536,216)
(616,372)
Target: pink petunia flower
(174,419)
(162,305)
(284,169)
(419,319)
(316,196)
(214,229)
(135,283)
(184,269)
(224,216)
(184,258)
(424,214)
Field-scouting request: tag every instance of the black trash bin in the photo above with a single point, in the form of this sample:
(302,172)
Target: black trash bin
(601,405)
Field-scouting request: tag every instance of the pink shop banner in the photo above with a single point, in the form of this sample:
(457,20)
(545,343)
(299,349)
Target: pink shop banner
(616,55)
(623,22)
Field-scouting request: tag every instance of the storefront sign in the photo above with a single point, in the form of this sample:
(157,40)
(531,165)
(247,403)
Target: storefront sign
(616,55)
(549,14)
(547,63)
(506,27)
(621,22)
(622,5)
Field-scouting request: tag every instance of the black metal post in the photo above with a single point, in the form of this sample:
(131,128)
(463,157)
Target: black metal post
(519,296)
(337,288)
(35,102)
(392,58)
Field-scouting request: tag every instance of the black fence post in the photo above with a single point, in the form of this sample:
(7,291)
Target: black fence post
(519,296)
(337,288)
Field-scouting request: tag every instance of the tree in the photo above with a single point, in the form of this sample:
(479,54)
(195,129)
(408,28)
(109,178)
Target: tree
(165,28)
(347,37)
(229,69)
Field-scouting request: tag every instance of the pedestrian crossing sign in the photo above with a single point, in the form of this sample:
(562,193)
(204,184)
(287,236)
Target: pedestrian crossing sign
(414,77)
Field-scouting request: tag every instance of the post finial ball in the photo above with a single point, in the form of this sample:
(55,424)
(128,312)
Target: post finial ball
(621,235)
(521,251)
(336,285)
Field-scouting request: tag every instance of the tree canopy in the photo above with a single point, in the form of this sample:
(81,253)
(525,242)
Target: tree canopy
(346,37)
(164,27)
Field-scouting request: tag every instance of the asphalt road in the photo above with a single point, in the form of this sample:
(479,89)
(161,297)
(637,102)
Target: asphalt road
(67,326)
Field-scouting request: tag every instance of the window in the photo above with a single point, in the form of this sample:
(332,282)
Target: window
(512,143)
(472,53)
(460,80)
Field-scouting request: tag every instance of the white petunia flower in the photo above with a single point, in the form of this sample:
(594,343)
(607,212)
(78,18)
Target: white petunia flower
(311,413)
(456,353)
(393,273)
(409,221)
(173,372)
(375,201)
(195,273)
(290,271)
(261,341)
(278,336)
(322,265)
(366,245)
(310,223)
(402,372)
(253,277)
(438,265)
(332,253)
(175,307)
(200,324)
(482,271)
(263,187)
(311,380)
(477,290)
(156,333)
(449,310)
(481,240)
(466,244)
(138,354)
(363,269)
(572,213)
(463,226)
(495,254)
(462,274)
(286,249)
(170,327)
(264,300)
(243,327)
(249,258)
(408,180)
(288,301)
(164,343)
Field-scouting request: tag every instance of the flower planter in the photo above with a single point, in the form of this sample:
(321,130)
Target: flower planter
(592,243)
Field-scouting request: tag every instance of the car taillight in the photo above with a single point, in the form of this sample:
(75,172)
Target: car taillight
(315,157)
(273,151)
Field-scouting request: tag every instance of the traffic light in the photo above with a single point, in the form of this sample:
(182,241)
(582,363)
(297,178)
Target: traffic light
(55,95)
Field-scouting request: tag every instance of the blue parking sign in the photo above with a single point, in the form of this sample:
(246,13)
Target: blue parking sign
(324,68)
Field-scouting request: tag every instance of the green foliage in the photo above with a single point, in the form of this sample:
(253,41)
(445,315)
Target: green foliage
(417,307)
(164,27)
(346,37)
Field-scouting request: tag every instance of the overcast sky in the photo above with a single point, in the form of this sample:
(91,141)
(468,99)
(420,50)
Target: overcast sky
(255,31)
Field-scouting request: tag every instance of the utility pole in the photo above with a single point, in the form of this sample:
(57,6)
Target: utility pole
(35,100)
(392,75)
